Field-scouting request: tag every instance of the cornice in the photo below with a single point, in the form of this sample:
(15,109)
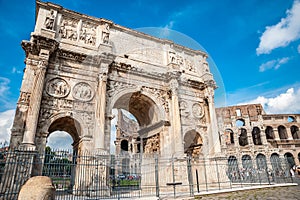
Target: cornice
(37,43)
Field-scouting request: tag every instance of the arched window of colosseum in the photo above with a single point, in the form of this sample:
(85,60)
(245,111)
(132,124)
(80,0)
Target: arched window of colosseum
(240,122)
(233,169)
(295,132)
(299,156)
(269,133)
(247,162)
(256,136)
(290,159)
(229,137)
(138,144)
(261,161)
(243,139)
(291,119)
(275,162)
(282,132)
(124,145)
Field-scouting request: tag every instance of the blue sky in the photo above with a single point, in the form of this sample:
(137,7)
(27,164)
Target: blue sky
(254,43)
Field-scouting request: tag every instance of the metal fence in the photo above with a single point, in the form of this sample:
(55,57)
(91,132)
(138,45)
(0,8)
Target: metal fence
(97,176)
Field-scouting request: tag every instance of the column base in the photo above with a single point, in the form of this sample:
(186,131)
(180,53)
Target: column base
(27,147)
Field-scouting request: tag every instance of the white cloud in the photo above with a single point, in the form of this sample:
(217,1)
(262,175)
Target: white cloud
(4,85)
(281,34)
(16,71)
(287,102)
(60,140)
(6,120)
(298,48)
(273,64)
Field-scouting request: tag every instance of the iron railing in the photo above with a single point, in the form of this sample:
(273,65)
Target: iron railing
(87,175)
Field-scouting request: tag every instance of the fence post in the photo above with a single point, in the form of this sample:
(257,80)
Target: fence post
(218,173)
(197,179)
(156,175)
(190,176)
(205,175)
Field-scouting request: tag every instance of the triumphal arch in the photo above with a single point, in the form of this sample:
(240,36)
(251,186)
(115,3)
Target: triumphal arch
(79,68)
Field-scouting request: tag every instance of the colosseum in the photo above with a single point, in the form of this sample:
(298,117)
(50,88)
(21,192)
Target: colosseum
(249,134)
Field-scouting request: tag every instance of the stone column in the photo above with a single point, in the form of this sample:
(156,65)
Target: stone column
(100,112)
(263,137)
(35,100)
(214,142)
(236,138)
(178,148)
(249,136)
(289,134)
(276,134)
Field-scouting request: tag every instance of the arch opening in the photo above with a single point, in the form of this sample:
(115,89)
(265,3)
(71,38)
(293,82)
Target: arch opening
(261,162)
(290,159)
(256,136)
(291,119)
(229,137)
(140,106)
(269,133)
(243,138)
(247,162)
(275,162)
(282,132)
(192,143)
(124,145)
(295,132)
(240,122)
(124,133)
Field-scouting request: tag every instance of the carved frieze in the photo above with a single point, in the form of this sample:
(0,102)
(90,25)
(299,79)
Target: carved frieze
(175,58)
(83,106)
(83,91)
(116,86)
(57,87)
(152,144)
(77,30)
(71,55)
(68,28)
(87,33)
(161,95)
(57,103)
(190,65)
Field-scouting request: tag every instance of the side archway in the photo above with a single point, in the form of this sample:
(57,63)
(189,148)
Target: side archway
(192,143)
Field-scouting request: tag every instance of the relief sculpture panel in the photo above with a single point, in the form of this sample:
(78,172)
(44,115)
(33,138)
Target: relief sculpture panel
(83,91)
(68,29)
(57,87)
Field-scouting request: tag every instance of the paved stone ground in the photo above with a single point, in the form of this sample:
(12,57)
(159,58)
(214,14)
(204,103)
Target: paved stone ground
(276,193)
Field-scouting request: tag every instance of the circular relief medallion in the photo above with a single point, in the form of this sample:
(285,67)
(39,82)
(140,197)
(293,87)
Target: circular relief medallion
(57,87)
(83,91)
(197,110)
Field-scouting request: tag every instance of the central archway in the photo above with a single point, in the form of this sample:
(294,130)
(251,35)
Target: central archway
(146,110)
(142,106)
